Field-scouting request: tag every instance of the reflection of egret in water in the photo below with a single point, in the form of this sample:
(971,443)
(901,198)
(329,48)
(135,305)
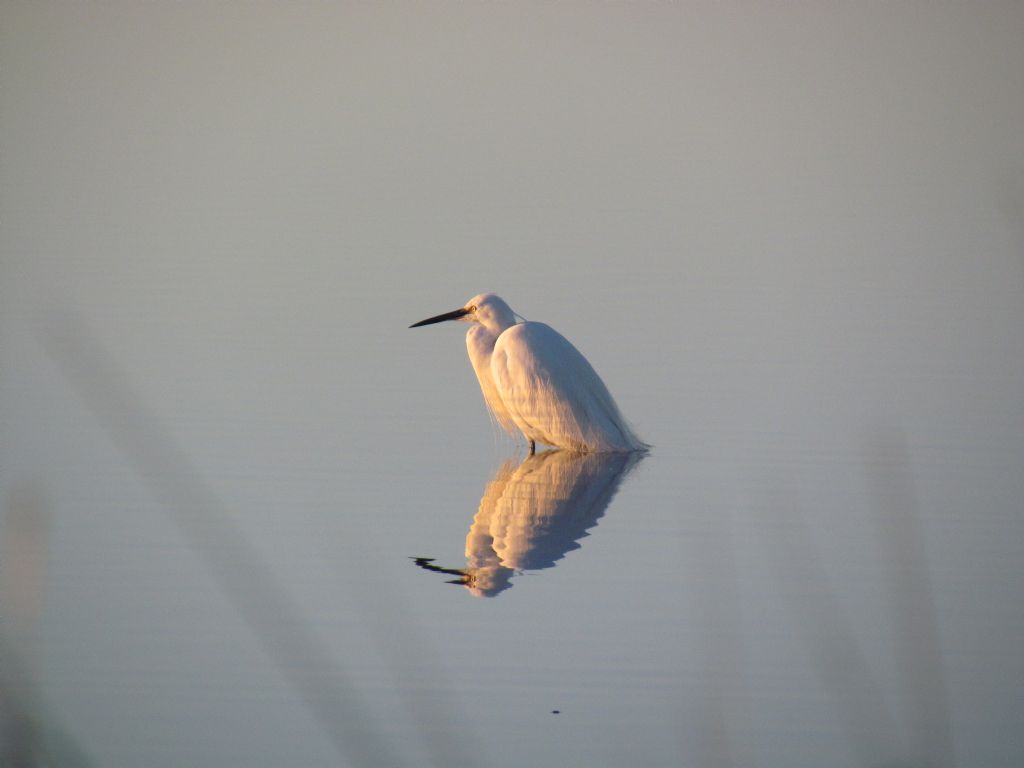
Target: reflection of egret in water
(534,513)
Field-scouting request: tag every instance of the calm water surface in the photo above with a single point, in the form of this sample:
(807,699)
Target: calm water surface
(284,590)
(248,518)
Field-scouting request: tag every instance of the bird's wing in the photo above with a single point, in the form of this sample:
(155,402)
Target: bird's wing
(553,394)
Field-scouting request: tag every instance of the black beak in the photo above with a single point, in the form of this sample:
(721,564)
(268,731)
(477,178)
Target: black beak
(455,315)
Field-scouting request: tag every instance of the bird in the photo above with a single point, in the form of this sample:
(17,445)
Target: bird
(535,381)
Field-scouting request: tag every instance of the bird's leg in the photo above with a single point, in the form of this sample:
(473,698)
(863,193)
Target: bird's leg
(533,447)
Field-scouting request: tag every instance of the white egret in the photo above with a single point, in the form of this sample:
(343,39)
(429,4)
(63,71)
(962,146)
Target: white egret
(533,379)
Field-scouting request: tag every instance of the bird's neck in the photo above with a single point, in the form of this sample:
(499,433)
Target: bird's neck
(497,324)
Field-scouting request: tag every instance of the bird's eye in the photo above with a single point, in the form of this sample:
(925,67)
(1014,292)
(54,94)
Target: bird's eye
(472,308)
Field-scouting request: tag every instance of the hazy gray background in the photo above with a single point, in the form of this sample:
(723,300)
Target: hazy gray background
(789,236)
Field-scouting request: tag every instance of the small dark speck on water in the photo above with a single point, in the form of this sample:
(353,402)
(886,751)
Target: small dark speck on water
(556,711)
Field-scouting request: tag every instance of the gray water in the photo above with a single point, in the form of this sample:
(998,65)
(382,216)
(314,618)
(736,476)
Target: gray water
(248,517)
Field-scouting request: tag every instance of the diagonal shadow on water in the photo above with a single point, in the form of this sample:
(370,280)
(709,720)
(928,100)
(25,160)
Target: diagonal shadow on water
(318,678)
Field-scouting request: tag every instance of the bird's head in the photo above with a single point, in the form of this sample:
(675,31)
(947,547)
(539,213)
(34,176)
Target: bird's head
(487,309)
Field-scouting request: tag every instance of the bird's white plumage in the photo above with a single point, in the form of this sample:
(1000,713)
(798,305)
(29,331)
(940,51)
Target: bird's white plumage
(553,394)
(534,380)
(480,345)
